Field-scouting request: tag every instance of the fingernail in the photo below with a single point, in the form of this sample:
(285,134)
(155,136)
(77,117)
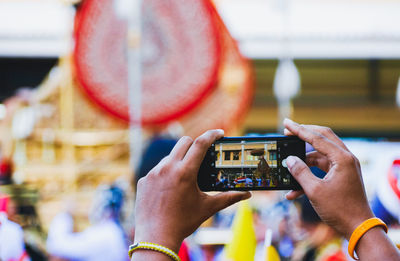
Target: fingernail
(290,161)
(247,195)
(287,120)
(221,131)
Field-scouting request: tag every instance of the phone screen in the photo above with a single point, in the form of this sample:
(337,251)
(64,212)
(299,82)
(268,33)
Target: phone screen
(250,163)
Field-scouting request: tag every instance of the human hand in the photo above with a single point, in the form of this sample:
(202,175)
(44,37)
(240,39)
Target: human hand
(169,203)
(339,198)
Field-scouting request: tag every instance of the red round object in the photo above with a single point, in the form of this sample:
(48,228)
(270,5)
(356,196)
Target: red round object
(230,102)
(181,56)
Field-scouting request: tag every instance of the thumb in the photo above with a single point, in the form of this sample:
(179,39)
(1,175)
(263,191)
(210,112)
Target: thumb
(226,199)
(302,173)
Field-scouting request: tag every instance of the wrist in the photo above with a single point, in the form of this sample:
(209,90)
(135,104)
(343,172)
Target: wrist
(369,237)
(148,255)
(167,241)
(356,222)
(375,245)
(154,248)
(362,230)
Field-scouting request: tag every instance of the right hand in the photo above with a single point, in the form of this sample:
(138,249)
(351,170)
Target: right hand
(339,198)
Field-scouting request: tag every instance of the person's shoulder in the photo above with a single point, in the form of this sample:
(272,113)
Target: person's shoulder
(105,229)
(12,230)
(10,225)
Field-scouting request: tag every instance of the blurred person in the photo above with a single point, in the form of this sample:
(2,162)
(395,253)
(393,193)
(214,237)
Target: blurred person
(275,230)
(103,241)
(159,146)
(222,180)
(170,205)
(285,244)
(13,106)
(321,242)
(12,246)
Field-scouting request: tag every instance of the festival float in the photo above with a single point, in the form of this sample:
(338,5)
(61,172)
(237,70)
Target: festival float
(192,75)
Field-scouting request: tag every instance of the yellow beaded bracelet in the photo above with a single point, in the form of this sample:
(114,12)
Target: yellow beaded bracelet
(153,247)
(361,230)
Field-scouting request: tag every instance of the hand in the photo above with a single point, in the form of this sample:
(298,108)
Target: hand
(339,198)
(169,203)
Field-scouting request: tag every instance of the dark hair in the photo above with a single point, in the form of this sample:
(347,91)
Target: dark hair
(307,213)
(158,148)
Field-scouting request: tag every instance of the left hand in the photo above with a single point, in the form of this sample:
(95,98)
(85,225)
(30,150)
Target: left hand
(169,203)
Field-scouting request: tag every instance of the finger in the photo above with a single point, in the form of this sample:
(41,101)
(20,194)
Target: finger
(164,160)
(316,159)
(302,174)
(226,199)
(327,132)
(160,165)
(197,151)
(287,132)
(293,194)
(181,147)
(317,140)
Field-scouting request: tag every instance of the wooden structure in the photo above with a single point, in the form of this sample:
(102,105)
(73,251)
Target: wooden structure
(72,147)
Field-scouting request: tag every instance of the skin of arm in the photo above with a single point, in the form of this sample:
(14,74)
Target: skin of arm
(169,204)
(339,198)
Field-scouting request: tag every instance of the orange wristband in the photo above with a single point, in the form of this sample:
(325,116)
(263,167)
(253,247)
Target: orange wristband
(361,230)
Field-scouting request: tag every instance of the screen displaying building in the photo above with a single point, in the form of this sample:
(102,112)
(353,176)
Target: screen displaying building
(247,164)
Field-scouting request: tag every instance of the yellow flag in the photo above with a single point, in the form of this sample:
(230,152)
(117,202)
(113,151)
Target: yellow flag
(270,253)
(243,244)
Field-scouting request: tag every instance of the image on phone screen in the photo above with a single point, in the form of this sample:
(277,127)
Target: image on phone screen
(251,164)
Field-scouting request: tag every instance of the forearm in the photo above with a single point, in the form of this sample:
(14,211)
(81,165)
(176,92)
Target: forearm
(376,245)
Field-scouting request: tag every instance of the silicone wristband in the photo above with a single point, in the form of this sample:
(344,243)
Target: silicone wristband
(361,230)
(153,247)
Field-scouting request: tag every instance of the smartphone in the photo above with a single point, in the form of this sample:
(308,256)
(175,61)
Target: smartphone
(250,163)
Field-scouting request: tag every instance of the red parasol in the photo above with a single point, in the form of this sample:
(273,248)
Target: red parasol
(226,107)
(181,57)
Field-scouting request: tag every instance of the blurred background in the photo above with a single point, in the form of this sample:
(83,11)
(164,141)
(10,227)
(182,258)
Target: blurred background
(93,93)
